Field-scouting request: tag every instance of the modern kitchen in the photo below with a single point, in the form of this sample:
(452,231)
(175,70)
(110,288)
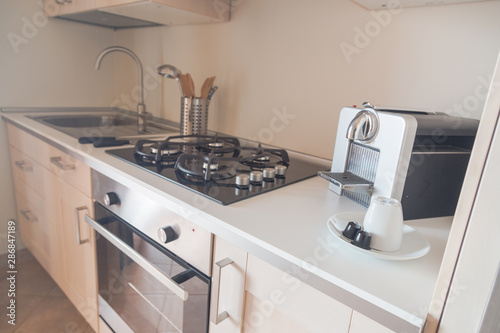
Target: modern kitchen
(169,174)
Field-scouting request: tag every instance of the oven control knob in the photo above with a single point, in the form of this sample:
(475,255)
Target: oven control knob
(111,198)
(167,234)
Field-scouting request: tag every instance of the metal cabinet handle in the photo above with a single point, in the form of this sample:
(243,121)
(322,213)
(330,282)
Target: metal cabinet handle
(77,222)
(26,167)
(215,316)
(27,215)
(140,260)
(57,162)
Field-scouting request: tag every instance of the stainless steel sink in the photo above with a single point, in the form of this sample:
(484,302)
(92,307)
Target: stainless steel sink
(87,121)
(114,124)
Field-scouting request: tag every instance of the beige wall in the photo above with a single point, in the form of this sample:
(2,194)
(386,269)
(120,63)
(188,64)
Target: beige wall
(45,63)
(282,74)
(285,56)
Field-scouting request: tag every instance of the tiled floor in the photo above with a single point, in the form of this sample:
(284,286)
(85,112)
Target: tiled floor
(41,307)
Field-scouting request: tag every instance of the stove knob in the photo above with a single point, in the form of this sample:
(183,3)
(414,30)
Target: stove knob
(269,174)
(242,180)
(280,170)
(167,234)
(111,198)
(256,177)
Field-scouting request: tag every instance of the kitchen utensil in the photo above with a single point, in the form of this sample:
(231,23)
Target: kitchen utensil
(185,85)
(92,139)
(206,87)
(171,72)
(384,220)
(191,86)
(110,143)
(194,115)
(212,92)
(414,244)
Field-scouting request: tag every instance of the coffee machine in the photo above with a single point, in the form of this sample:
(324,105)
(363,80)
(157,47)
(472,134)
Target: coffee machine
(418,158)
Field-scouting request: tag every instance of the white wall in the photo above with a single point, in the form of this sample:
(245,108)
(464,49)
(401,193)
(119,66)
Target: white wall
(479,258)
(45,63)
(286,55)
(275,58)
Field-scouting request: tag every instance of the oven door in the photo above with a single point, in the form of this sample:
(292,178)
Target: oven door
(142,286)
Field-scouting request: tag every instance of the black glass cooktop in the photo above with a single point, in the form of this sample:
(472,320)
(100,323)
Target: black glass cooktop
(220,184)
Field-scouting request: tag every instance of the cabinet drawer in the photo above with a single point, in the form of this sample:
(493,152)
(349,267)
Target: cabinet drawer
(276,298)
(70,170)
(34,225)
(29,145)
(61,164)
(27,172)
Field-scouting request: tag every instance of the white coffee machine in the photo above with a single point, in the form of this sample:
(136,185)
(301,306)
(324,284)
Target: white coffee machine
(419,158)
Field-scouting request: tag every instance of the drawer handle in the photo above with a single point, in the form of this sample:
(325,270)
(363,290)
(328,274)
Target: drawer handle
(26,167)
(215,316)
(57,162)
(79,241)
(28,216)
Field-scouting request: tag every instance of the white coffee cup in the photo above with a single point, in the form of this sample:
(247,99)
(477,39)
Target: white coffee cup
(384,221)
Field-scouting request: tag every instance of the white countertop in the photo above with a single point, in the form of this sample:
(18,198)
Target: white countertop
(287,228)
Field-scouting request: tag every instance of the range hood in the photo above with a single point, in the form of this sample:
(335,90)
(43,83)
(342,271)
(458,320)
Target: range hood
(146,14)
(387,4)
(107,20)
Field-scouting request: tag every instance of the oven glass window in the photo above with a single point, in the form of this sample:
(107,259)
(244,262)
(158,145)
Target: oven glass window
(136,296)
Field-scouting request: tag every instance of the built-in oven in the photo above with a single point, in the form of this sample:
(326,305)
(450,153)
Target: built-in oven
(153,266)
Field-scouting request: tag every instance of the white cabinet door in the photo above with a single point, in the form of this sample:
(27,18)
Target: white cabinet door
(363,324)
(229,284)
(278,302)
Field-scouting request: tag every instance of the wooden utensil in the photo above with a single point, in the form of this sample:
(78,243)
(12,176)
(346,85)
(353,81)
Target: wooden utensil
(191,86)
(207,85)
(186,88)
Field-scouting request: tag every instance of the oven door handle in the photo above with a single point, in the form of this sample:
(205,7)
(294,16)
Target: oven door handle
(140,260)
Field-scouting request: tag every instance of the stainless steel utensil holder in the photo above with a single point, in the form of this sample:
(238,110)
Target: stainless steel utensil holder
(194,115)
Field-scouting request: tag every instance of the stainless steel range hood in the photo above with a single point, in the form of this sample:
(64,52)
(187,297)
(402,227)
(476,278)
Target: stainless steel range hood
(147,14)
(108,20)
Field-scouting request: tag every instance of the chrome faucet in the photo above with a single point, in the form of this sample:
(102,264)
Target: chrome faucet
(142,115)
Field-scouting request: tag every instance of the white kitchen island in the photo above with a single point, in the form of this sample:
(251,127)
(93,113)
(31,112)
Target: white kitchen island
(287,229)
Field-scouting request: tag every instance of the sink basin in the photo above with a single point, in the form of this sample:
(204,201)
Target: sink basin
(87,121)
(114,124)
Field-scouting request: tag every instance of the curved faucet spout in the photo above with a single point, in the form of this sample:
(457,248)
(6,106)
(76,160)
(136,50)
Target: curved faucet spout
(141,107)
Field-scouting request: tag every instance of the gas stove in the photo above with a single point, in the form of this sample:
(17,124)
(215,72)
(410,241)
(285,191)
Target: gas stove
(222,168)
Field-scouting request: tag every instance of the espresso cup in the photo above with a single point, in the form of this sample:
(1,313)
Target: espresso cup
(384,221)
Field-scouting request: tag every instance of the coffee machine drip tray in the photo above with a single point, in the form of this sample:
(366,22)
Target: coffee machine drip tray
(347,183)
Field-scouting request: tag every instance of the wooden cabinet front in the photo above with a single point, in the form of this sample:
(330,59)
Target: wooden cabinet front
(78,241)
(52,194)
